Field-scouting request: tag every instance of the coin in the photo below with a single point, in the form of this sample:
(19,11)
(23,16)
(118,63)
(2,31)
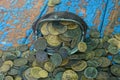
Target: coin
(102,76)
(1,62)
(59,27)
(100,52)
(71,33)
(8,56)
(117,36)
(4,68)
(79,66)
(9,62)
(112,49)
(53,2)
(64,52)
(56,59)
(84,78)
(43,74)
(44,29)
(94,33)
(90,55)
(82,47)
(40,43)
(35,72)
(116,59)
(64,38)
(52,30)
(11,49)
(27,75)
(90,44)
(74,42)
(22,48)
(72,26)
(58,76)
(115,70)
(18,78)
(13,71)
(53,40)
(49,66)
(69,75)
(90,72)
(93,63)
(41,56)
(20,62)
(57,70)
(114,41)
(2,76)
(105,62)
(9,78)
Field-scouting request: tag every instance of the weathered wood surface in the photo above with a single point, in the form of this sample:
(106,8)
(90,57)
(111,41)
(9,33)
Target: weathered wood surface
(17,16)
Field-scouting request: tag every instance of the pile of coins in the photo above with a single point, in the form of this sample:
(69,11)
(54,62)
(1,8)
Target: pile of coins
(59,36)
(96,59)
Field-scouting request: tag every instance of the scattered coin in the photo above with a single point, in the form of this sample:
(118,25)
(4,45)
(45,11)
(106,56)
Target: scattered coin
(13,71)
(117,36)
(9,62)
(40,43)
(79,66)
(56,59)
(22,48)
(18,78)
(116,59)
(1,53)
(82,47)
(69,75)
(94,33)
(9,78)
(58,76)
(49,66)
(43,74)
(4,68)
(20,62)
(105,62)
(90,72)
(112,49)
(41,56)
(102,76)
(90,55)
(35,72)
(115,70)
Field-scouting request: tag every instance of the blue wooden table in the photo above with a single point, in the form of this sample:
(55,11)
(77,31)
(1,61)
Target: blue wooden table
(17,16)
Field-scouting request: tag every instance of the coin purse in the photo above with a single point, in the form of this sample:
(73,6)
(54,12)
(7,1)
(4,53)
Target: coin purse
(61,16)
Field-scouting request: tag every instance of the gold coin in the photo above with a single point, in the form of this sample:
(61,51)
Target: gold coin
(117,36)
(18,78)
(9,62)
(105,62)
(53,40)
(44,29)
(43,74)
(34,63)
(72,26)
(4,68)
(35,72)
(70,75)
(82,47)
(115,42)
(79,66)
(49,66)
(9,78)
(52,30)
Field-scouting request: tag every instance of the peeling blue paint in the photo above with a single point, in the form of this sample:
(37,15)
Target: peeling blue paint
(21,41)
(109,8)
(116,29)
(119,19)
